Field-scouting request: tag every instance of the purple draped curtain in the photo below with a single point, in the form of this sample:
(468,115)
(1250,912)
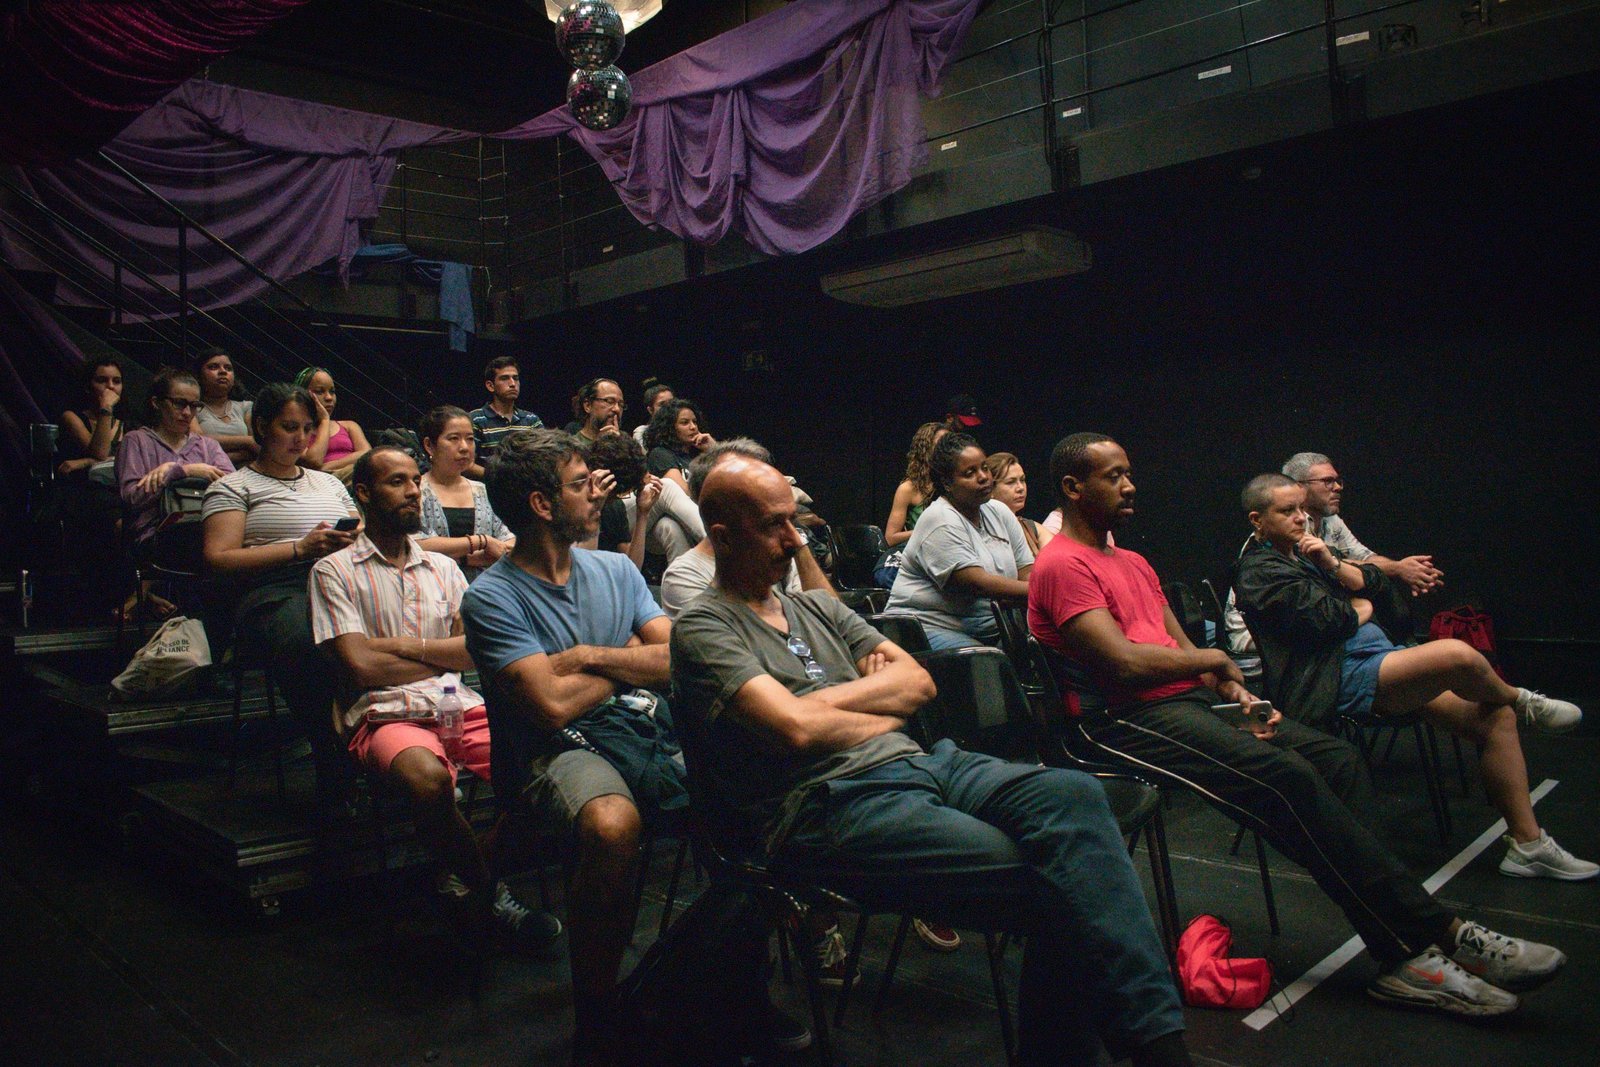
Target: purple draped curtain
(75,72)
(779,131)
(782,130)
(285,182)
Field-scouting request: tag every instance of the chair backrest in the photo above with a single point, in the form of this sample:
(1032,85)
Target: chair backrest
(980,705)
(1012,622)
(859,547)
(1073,687)
(903,629)
(864,602)
(1187,609)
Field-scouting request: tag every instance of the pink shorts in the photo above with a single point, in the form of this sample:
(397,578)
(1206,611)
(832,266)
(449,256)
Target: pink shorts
(375,747)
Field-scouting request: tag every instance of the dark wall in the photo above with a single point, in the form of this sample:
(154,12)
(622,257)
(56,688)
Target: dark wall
(1411,298)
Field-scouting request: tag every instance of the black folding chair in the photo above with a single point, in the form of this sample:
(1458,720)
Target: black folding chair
(903,628)
(857,551)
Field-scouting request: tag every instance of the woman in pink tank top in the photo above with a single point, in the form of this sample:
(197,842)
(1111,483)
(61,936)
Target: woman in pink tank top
(339,442)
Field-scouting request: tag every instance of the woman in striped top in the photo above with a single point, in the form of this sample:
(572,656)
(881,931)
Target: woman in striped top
(265,524)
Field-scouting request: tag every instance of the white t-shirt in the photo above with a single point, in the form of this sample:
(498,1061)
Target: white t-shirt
(278,509)
(235,424)
(693,573)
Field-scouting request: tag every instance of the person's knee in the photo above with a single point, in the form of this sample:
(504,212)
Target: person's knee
(424,779)
(610,825)
(1456,656)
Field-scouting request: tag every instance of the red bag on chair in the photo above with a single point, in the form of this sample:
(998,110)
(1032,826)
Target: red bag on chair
(1471,625)
(1209,978)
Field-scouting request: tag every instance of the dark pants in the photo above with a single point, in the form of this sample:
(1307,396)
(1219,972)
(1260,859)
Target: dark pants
(1305,792)
(272,627)
(980,842)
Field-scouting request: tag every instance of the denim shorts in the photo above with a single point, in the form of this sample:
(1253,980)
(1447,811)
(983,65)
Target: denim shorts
(1358,674)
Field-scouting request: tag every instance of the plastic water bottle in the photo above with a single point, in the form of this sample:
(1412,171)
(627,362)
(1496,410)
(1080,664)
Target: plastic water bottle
(449,711)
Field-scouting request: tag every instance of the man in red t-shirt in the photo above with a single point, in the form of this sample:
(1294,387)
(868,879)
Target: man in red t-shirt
(1150,702)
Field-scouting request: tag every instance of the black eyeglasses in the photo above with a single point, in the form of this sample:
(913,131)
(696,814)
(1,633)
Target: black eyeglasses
(1326,483)
(182,405)
(814,670)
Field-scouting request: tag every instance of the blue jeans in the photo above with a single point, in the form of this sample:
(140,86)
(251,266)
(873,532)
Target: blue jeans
(976,841)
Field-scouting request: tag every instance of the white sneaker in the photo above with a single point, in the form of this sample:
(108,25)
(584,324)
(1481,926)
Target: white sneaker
(1507,962)
(1545,859)
(1547,713)
(1434,982)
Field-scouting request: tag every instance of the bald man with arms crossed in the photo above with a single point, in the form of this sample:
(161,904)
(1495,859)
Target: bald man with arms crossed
(800,704)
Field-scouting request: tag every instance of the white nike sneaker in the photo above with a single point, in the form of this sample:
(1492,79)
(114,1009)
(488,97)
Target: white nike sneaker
(1547,713)
(1545,859)
(1434,982)
(1508,962)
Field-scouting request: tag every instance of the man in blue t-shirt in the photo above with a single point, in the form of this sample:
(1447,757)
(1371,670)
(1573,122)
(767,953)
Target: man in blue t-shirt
(569,644)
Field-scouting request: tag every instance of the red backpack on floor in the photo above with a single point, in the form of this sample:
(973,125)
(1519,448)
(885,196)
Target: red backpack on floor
(1209,978)
(1471,625)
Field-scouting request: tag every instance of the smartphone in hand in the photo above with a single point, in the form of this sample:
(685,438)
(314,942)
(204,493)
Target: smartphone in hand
(346,524)
(1253,718)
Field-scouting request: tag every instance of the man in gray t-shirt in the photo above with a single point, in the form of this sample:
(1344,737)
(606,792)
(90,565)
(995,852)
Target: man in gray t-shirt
(791,710)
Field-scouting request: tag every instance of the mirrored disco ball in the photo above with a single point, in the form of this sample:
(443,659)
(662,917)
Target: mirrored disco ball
(599,99)
(589,34)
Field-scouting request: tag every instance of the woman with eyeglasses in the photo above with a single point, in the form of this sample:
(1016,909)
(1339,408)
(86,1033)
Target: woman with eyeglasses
(338,442)
(153,457)
(673,438)
(224,414)
(966,550)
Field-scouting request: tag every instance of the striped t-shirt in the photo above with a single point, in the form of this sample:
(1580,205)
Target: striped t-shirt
(278,509)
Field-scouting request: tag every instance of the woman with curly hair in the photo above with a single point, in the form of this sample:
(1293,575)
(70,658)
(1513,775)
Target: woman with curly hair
(915,492)
(673,438)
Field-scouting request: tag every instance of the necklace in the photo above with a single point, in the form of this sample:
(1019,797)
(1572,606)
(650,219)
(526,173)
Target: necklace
(299,473)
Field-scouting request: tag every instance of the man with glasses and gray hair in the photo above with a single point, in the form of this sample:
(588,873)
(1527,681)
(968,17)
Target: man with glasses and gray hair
(1324,489)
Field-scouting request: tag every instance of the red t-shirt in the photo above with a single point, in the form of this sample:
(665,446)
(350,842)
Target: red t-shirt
(1069,579)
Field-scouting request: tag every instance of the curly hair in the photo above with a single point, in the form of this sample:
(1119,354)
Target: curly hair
(917,458)
(620,454)
(662,431)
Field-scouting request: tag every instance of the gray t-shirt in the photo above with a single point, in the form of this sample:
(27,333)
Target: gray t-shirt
(944,542)
(236,424)
(752,788)
(693,573)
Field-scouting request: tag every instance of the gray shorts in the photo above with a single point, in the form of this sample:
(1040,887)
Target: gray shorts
(560,785)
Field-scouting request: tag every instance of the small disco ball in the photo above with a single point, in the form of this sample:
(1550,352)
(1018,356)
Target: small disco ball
(589,34)
(599,99)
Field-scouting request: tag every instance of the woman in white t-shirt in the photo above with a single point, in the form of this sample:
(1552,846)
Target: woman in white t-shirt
(966,550)
(224,415)
(265,524)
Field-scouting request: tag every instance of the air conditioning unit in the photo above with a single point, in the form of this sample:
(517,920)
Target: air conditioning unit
(1027,255)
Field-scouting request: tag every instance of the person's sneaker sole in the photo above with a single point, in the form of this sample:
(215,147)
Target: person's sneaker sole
(1393,991)
(1511,868)
(929,937)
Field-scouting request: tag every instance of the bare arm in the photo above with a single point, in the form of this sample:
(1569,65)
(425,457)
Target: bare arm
(549,699)
(896,685)
(312,456)
(439,653)
(980,582)
(808,723)
(645,664)
(810,571)
(359,440)
(894,530)
(368,663)
(225,552)
(1094,639)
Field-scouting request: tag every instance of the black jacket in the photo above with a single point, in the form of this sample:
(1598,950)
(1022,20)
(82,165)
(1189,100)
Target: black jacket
(1300,618)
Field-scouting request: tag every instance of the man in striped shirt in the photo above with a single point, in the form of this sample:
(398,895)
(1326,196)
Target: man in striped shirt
(500,414)
(388,614)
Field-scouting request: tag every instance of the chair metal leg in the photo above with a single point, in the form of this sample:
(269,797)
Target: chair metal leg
(852,970)
(1427,753)
(1238,839)
(1266,886)
(783,954)
(997,975)
(1166,892)
(277,739)
(672,887)
(810,967)
(647,843)
(238,723)
(892,963)
(1461,765)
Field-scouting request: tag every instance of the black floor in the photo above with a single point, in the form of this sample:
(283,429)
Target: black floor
(114,953)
